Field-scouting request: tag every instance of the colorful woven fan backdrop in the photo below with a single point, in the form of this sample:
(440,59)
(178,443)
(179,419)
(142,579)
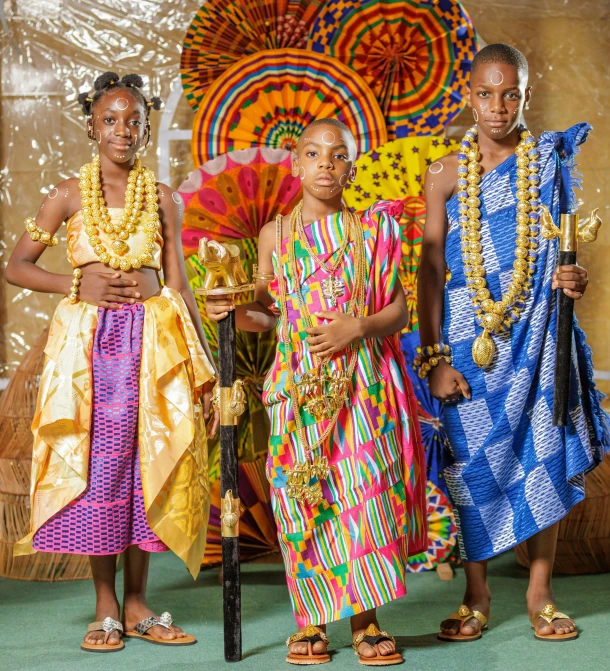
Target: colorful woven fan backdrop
(394,171)
(268,98)
(442,532)
(224,31)
(232,196)
(415,55)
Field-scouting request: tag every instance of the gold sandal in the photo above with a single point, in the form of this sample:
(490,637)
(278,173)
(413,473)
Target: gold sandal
(548,613)
(373,636)
(464,614)
(309,635)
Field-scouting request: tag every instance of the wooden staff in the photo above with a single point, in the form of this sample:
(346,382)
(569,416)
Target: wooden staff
(225,276)
(569,233)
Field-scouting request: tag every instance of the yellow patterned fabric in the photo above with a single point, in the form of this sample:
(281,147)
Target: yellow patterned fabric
(171,432)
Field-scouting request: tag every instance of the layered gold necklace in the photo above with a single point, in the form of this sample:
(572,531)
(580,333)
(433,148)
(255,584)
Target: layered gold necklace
(325,392)
(141,184)
(497,316)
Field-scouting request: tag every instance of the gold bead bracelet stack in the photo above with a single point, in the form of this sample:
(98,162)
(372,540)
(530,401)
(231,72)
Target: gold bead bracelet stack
(429,356)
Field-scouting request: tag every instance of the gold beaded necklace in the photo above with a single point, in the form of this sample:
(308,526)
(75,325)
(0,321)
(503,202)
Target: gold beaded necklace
(497,316)
(141,182)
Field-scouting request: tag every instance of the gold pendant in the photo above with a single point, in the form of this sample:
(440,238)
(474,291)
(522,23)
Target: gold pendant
(299,485)
(119,247)
(332,288)
(483,349)
(324,393)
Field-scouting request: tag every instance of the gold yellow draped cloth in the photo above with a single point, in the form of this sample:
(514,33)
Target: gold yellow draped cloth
(171,430)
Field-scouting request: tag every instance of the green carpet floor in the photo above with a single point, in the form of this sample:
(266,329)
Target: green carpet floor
(41,625)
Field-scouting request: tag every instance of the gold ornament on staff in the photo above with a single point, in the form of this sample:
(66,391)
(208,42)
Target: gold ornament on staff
(225,274)
(230,509)
(585,231)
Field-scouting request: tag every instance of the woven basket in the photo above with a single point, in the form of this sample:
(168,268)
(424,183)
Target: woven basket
(17,406)
(583,545)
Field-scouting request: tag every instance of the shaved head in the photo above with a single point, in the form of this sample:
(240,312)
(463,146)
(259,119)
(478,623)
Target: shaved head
(345,132)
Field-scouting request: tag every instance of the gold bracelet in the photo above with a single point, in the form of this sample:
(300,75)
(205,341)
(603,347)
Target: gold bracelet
(77,273)
(430,356)
(38,234)
(262,277)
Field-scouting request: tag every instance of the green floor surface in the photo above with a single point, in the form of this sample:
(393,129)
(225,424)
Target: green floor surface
(42,625)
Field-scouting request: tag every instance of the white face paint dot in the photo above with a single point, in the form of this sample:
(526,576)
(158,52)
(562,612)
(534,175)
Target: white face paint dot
(435,168)
(53,193)
(325,138)
(496,78)
(122,103)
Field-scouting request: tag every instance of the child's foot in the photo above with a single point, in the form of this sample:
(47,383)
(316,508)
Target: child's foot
(537,600)
(360,624)
(104,609)
(135,610)
(471,627)
(301,647)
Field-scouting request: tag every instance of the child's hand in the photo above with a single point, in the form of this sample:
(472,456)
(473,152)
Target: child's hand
(447,384)
(326,340)
(107,290)
(572,279)
(218,307)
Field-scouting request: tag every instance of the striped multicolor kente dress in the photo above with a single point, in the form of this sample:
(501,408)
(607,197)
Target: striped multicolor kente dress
(349,553)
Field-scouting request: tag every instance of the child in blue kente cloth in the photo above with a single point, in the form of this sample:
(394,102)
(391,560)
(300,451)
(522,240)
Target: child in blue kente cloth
(513,474)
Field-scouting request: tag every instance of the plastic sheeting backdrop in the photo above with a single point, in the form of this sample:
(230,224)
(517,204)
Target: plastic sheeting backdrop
(54,50)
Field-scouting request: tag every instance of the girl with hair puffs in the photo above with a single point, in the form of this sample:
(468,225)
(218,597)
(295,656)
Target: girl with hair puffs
(119,442)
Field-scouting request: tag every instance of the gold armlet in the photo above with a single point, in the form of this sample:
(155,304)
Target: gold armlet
(38,234)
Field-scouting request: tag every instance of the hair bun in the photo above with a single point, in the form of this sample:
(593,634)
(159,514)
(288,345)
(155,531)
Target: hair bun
(155,103)
(82,98)
(105,81)
(133,80)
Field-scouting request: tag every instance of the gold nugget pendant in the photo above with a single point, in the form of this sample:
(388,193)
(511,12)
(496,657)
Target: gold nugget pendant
(483,350)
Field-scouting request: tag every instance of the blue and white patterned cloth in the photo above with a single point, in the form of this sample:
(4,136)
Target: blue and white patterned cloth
(513,472)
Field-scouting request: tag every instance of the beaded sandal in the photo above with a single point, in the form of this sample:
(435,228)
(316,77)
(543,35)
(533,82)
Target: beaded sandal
(309,635)
(373,636)
(548,613)
(463,615)
(141,631)
(108,625)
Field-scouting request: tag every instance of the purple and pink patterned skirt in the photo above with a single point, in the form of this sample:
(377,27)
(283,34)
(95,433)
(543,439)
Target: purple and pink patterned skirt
(109,515)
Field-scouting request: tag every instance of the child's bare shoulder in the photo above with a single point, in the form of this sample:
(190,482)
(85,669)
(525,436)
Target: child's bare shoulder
(441,175)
